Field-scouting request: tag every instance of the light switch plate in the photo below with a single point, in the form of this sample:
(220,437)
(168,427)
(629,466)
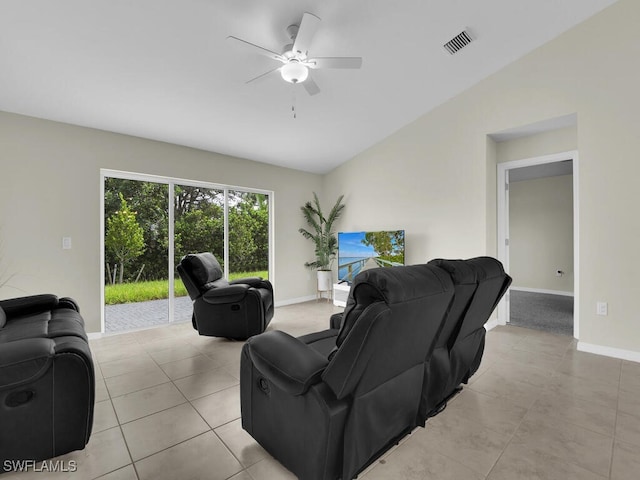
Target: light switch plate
(601,308)
(66,243)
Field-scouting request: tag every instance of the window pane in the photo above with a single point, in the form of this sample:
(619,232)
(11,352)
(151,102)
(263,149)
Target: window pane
(136,254)
(199,221)
(248,234)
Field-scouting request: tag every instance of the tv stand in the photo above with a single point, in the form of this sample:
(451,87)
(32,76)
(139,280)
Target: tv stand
(340,294)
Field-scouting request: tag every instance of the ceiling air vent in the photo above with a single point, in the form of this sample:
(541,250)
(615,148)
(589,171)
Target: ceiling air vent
(458,42)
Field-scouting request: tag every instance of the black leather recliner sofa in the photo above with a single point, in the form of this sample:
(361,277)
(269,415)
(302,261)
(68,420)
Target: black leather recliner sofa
(327,416)
(237,309)
(47,383)
(328,404)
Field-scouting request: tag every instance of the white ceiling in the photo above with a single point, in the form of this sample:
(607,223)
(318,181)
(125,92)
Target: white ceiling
(163,69)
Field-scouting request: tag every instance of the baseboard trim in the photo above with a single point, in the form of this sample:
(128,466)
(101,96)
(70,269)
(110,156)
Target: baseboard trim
(491,324)
(293,301)
(542,290)
(609,351)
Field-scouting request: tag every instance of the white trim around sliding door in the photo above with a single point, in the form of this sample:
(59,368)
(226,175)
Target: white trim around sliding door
(171,182)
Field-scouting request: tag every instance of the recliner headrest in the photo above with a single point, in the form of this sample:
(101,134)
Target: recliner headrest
(203,267)
(460,270)
(390,285)
(487,267)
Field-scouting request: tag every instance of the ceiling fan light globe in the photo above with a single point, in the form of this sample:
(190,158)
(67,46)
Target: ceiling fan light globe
(294,72)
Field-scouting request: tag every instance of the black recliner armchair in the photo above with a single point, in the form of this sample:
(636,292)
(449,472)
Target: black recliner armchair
(236,310)
(47,383)
(328,415)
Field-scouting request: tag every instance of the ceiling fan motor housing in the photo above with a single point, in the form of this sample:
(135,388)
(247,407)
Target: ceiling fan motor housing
(294,72)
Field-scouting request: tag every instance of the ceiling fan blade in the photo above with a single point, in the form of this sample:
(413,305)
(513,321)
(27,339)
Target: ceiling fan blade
(263,75)
(334,62)
(311,86)
(307,30)
(255,48)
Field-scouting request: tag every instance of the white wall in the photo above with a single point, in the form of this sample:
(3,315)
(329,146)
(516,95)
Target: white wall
(49,188)
(436,176)
(541,233)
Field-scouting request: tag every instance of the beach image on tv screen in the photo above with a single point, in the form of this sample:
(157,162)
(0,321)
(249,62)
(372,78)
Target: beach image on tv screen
(358,251)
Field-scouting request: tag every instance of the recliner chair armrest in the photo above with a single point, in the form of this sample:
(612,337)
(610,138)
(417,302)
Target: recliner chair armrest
(24,360)
(254,282)
(290,364)
(21,306)
(68,302)
(230,294)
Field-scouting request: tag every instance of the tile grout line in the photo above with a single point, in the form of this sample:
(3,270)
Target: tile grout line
(141,346)
(211,429)
(615,424)
(565,355)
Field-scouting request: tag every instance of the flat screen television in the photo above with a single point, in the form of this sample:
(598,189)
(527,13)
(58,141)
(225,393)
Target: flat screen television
(358,251)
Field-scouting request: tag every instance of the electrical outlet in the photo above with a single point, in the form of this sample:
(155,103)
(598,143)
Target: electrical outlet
(602,308)
(66,243)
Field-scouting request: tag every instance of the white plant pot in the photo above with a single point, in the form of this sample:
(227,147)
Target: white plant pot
(325,278)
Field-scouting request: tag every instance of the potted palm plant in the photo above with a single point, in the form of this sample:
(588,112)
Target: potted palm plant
(324,238)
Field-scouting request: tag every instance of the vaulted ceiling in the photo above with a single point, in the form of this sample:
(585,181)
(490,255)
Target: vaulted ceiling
(164,69)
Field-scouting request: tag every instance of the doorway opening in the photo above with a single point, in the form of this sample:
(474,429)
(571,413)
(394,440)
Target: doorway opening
(538,242)
(149,223)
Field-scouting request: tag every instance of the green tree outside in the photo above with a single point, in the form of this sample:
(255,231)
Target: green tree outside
(150,201)
(124,238)
(198,226)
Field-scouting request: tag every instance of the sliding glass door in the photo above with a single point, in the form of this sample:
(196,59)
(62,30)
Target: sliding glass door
(144,240)
(136,253)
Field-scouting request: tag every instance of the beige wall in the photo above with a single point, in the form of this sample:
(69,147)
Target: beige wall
(435,177)
(541,233)
(546,143)
(49,188)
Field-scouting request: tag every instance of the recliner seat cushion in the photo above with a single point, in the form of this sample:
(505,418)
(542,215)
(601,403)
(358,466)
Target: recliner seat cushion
(3,318)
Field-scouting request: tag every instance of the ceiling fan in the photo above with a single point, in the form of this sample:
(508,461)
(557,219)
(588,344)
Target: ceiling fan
(295,56)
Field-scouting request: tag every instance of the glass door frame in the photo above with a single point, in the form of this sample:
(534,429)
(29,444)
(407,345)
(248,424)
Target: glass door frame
(172,182)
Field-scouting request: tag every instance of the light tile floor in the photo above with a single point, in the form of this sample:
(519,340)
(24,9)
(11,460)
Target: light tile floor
(167,407)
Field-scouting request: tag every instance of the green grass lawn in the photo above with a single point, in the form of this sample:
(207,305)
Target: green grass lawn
(155,289)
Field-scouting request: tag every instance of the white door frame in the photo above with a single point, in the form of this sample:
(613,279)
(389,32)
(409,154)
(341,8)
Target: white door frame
(503,226)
